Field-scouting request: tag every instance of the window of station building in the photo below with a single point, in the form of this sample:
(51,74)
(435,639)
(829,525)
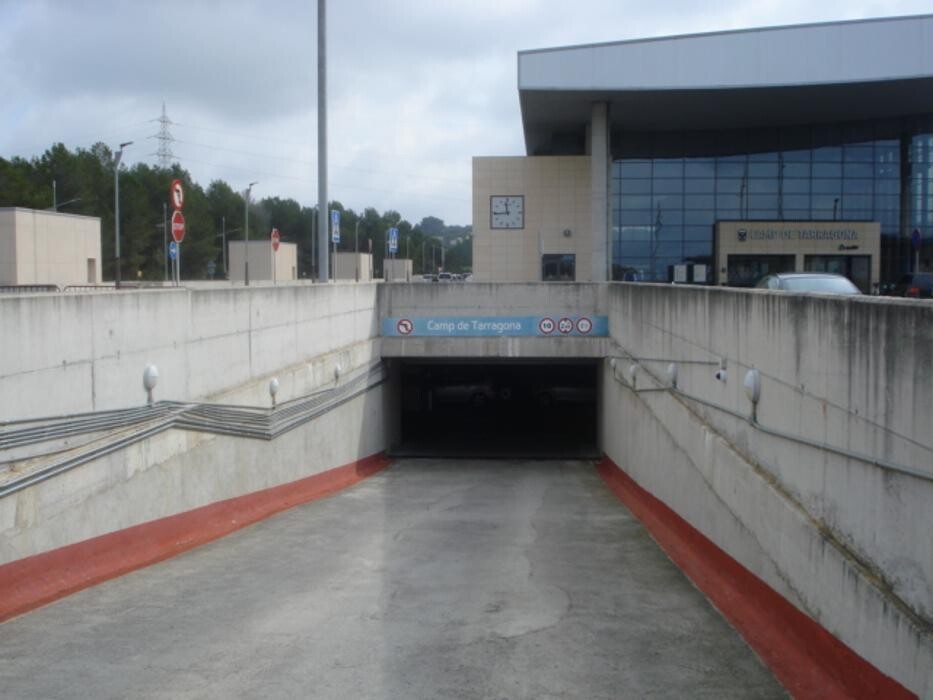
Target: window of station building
(856,267)
(824,172)
(558,267)
(746,270)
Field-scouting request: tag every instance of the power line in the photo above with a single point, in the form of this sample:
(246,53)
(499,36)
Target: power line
(280,176)
(312,164)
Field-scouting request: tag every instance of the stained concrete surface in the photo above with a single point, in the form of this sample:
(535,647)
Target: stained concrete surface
(432,579)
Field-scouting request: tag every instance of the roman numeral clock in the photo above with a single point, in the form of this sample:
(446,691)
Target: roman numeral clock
(507,211)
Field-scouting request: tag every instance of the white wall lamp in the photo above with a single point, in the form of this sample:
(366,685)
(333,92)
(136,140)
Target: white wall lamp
(633,374)
(150,379)
(672,375)
(753,390)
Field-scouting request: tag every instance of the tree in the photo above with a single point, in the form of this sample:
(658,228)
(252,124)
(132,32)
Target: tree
(84,184)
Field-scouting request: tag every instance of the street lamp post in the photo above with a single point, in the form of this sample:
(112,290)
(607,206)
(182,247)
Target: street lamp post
(356,248)
(116,207)
(223,235)
(223,241)
(165,237)
(246,231)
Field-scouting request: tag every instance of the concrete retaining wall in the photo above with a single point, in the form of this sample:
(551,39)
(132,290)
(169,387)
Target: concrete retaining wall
(66,353)
(847,542)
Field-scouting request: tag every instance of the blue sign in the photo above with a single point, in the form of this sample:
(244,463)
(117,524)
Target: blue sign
(553,326)
(393,240)
(172,250)
(335,226)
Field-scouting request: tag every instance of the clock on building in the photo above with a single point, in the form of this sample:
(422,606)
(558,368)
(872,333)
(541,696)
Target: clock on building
(507,211)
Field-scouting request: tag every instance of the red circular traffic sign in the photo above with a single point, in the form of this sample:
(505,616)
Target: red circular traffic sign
(178,226)
(565,326)
(177,194)
(275,240)
(546,326)
(584,325)
(404,326)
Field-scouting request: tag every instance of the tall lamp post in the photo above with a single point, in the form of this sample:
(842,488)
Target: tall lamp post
(223,235)
(356,247)
(116,207)
(246,230)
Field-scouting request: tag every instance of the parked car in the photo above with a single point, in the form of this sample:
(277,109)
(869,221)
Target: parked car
(803,282)
(917,285)
(444,277)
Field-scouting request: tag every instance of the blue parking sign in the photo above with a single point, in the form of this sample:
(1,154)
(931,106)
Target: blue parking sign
(335,226)
(393,240)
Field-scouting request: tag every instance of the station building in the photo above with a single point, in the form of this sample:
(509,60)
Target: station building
(716,158)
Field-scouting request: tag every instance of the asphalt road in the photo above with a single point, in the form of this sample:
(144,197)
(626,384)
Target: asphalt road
(432,579)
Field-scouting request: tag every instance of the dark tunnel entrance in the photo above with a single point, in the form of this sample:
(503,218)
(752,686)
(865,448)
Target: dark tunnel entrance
(532,409)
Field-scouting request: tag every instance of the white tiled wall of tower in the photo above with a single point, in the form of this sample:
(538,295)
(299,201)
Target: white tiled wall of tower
(557,199)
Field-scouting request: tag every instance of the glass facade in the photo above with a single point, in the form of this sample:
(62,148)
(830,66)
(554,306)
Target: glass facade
(669,190)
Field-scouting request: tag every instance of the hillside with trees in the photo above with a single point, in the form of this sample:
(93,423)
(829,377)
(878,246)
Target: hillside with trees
(84,184)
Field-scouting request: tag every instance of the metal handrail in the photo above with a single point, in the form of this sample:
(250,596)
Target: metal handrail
(218,419)
(867,459)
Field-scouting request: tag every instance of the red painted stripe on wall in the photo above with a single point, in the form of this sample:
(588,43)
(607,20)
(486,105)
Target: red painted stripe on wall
(805,658)
(29,583)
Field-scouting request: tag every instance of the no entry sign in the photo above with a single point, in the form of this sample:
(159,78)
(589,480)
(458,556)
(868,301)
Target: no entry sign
(178,227)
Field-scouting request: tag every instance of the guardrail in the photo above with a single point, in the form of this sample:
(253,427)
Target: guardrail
(129,426)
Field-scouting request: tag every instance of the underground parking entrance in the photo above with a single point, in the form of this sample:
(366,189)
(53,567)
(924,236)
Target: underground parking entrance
(541,409)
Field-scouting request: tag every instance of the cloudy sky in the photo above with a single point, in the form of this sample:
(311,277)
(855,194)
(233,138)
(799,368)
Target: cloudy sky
(416,87)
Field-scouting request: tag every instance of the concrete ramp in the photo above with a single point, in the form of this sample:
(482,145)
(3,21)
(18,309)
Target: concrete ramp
(431,579)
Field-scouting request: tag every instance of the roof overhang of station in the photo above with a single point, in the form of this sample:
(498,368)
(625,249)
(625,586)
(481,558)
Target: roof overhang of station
(810,74)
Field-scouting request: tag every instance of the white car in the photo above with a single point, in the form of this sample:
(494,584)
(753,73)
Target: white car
(803,282)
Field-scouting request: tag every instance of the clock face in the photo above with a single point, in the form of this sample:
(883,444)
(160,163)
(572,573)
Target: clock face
(507,211)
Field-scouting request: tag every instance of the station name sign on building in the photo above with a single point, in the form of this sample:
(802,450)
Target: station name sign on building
(483,326)
(797,234)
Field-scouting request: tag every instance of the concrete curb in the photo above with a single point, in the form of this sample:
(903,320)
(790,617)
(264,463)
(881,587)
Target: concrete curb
(35,581)
(806,659)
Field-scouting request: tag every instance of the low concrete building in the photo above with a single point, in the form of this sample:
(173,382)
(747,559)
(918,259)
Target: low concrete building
(353,266)
(45,247)
(264,263)
(396,269)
